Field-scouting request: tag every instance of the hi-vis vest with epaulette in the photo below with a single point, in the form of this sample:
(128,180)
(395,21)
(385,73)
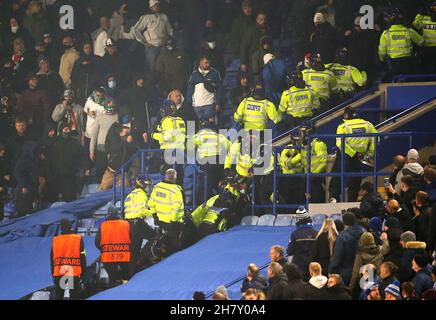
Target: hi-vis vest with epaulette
(171,133)
(428,29)
(323,83)
(254,114)
(299,102)
(397,42)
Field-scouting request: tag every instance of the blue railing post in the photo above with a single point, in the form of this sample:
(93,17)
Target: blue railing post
(252,196)
(376,140)
(275,181)
(205,187)
(194,188)
(309,171)
(142,161)
(122,190)
(342,168)
(114,190)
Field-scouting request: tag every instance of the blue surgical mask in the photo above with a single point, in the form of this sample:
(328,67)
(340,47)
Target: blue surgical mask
(112,84)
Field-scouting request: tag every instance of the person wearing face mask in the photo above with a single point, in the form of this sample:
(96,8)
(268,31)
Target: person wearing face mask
(324,38)
(210,48)
(66,161)
(111,86)
(426,24)
(172,67)
(70,56)
(12,32)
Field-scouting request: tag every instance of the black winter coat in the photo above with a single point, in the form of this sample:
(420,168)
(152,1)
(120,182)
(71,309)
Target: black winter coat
(276,288)
(300,246)
(321,252)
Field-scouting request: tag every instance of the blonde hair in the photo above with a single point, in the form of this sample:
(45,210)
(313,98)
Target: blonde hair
(315,269)
(329,226)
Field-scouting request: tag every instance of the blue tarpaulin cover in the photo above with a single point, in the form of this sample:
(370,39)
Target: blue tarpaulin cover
(216,260)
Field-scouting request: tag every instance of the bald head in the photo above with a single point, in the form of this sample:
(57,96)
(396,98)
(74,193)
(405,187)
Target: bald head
(399,161)
(171,175)
(393,206)
(252,270)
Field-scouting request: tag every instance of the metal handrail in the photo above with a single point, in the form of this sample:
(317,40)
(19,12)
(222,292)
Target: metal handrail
(340,174)
(407,111)
(400,77)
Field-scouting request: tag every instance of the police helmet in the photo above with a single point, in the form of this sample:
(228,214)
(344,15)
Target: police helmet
(295,78)
(168,108)
(225,200)
(350,113)
(113,212)
(394,14)
(143,182)
(432,6)
(316,62)
(207,125)
(258,91)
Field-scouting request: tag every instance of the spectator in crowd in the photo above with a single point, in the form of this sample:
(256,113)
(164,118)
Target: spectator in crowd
(15,143)
(115,63)
(69,57)
(399,162)
(239,26)
(432,231)
(97,148)
(406,195)
(240,92)
(67,157)
(394,210)
(94,105)
(301,242)
(29,178)
(21,64)
(251,40)
(152,30)
(430,182)
(50,81)
(422,279)
(6,118)
(276,254)
(34,105)
(336,289)
(277,282)
(35,21)
(85,75)
(324,39)
(392,292)
(111,86)
(317,286)
(119,146)
(72,114)
(256,59)
(422,215)
(221,293)
(371,204)
(51,51)
(274,77)
(393,228)
(100,36)
(322,249)
(13,31)
(118,18)
(5,179)
(375,226)
(211,48)
(296,288)
(411,248)
(344,252)
(205,91)
(408,291)
(387,276)
(369,278)
(368,253)
(414,169)
(254,280)
(172,67)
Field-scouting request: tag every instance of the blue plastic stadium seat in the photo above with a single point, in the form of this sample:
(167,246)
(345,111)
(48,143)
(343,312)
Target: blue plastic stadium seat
(57,204)
(266,220)
(283,221)
(249,221)
(9,209)
(318,218)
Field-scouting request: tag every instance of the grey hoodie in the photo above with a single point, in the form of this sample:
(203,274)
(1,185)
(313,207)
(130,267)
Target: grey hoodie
(413,167)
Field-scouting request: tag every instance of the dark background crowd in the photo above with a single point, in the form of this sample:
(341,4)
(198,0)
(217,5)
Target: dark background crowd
(50,78)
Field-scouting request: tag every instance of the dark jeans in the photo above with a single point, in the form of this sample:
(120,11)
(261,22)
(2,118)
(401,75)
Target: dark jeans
(399,66)
(141,231)
(117,272)
(172,237)
(24,203)
(353,183)
(100,164)
(74,293)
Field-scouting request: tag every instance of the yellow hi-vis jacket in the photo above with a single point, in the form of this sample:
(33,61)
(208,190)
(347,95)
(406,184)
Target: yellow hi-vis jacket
(290,161)
(359,144)
(136,205)
(428,29)
(397,42)
(207,213)
(318,158)
(254,114)
(299,103)
(166,201)
(243,162)
(347,76)
(210,143)
(323,83)
(171,133)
